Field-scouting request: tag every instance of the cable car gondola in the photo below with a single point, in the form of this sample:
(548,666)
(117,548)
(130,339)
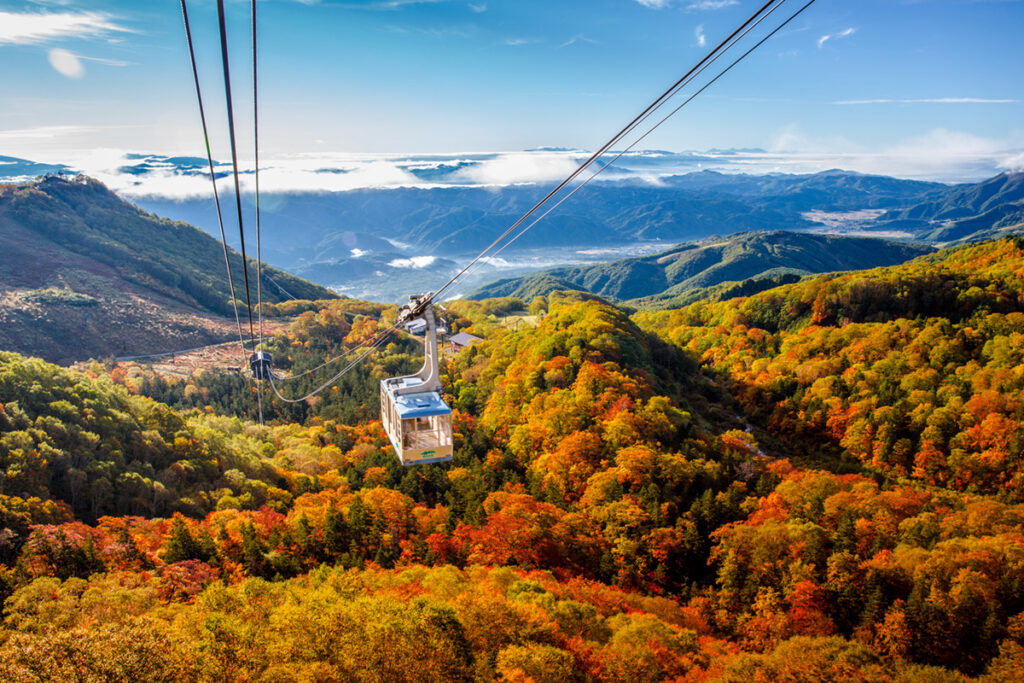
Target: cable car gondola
(417,420)
(259,363)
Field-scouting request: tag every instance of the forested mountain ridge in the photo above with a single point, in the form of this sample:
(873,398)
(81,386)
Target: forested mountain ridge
(962,201)
(83,273)
(663,277)
(975,212)
(621,505)
(916,370)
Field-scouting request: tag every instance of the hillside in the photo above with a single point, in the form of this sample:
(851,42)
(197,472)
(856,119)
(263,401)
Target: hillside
(668,275)
(83,273)
(963,201)
(973,212)
(900,367)
(821,481)
(1003,220)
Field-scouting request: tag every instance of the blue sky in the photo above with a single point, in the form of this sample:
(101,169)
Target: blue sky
(934,79)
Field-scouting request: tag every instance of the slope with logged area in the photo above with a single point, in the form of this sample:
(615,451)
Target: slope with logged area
(84,274)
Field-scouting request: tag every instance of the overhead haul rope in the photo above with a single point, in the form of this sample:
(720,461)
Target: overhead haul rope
(256,155)
(372,340)
(664,119)
(706,62)
(213,176)
(234,158)
(661,99)
(375,341)
(344,371)
(279,287)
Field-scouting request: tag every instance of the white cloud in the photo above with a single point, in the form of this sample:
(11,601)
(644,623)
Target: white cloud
(479,9)
(655,4)
(103,60)
(1013,163)
(941,154)
(414,262)
(516,168)
(312,174)
(44,132)
(942,147)
(712,4)
(934,100)
(702,39)
(386,4)
(835,36)
(66,63)
(25,28)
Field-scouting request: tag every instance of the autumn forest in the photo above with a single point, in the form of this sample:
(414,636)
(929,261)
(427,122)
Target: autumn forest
(820,481)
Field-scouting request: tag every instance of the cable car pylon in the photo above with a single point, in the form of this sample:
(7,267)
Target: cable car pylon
(416,418)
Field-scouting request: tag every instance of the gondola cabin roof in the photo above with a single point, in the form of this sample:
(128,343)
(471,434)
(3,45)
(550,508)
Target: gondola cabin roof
(415,404)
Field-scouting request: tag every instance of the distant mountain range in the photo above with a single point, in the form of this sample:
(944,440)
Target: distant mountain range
(13,169)
(305,228)
(84,274)
(740,260)
(939,215)
(363,241)
(384,244)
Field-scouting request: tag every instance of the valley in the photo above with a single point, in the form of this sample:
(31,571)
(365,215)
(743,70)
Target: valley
(700,483)
(417,341)
(609,511)
(381,243)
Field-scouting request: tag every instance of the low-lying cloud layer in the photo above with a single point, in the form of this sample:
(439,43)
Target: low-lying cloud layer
(940,155)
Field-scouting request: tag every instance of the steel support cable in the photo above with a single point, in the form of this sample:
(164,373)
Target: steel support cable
(213,176)
(280,288)
(259,248)
(372,340)
(234,158)
(682,82)
(604,148)
(663,120)
(344,371)
(710,58)
(706,63)
(256,156)
(343,354)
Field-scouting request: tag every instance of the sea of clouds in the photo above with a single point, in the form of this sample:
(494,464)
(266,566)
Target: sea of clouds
(941,156)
